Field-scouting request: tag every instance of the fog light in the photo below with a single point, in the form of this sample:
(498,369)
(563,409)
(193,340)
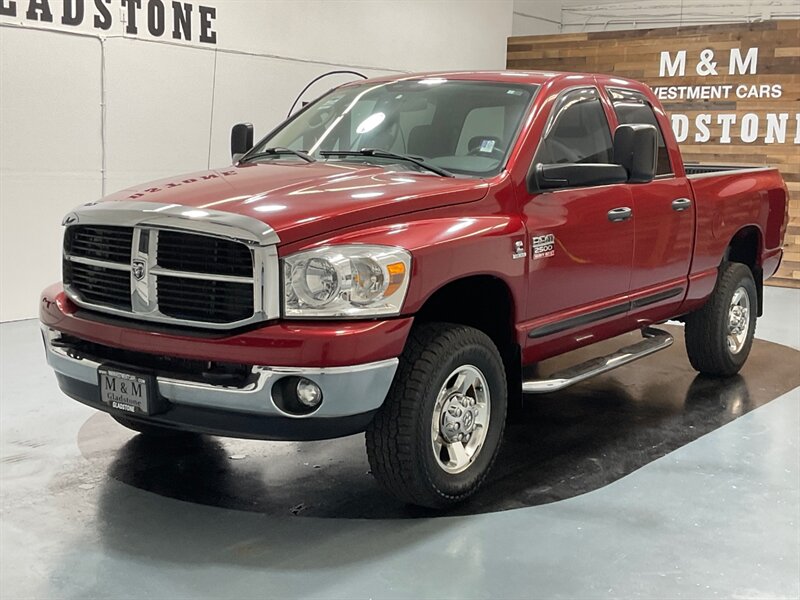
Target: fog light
(308,393)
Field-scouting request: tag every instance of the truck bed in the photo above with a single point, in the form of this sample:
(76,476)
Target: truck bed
(698,169)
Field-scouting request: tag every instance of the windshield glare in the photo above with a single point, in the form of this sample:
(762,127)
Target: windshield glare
(465,127)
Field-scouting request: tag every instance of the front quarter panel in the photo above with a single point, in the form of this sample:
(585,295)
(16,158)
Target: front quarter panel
(449,248)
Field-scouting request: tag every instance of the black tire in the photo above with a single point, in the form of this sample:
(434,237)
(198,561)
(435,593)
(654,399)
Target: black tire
(152,430)
(707,328)
(399,439)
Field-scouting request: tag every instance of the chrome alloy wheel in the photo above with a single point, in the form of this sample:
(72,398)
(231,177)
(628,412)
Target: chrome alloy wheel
(738,320)
(460,419)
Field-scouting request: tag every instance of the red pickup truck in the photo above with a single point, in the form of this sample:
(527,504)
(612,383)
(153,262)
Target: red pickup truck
(392,257)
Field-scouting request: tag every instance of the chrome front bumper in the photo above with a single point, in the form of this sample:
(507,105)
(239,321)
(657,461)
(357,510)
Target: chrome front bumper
(346,391)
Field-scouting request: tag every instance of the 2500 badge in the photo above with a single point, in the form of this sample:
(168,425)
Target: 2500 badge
(544,246)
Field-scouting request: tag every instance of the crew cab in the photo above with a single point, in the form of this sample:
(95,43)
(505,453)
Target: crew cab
(394,256)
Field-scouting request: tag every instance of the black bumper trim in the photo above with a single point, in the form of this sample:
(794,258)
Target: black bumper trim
(227,424)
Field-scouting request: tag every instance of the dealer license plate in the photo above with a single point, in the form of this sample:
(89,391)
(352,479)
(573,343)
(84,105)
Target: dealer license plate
(124,391)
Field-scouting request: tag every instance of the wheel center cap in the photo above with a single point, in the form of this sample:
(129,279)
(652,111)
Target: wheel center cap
(738,320)
(458,418)
(468,420)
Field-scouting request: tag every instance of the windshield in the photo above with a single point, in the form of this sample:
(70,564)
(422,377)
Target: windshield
(464,127)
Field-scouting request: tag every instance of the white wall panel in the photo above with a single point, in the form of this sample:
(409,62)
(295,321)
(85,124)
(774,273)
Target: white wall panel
(409,35)
(49,155)
(158,110)
(537,17)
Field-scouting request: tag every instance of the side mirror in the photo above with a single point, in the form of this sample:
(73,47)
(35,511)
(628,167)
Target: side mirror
(241,140)
(564,175)
(636,150)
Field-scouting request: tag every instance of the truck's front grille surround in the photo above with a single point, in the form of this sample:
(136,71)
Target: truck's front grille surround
(168,275)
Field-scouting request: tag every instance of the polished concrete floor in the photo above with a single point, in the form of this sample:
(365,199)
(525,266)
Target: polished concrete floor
(648,483)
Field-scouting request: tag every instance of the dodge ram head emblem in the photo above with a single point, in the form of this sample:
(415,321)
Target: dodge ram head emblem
(138,268)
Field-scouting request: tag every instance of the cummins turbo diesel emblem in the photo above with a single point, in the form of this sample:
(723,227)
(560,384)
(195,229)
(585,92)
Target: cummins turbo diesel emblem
(544,246)
(138,269)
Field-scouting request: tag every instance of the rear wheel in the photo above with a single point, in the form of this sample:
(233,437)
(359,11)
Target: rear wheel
(719,335)
(436,436)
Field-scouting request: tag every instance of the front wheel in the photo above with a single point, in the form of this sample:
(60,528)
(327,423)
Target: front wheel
(436,436)
(719,335)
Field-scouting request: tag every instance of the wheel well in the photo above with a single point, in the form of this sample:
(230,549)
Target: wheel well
(485,303)
(745,248)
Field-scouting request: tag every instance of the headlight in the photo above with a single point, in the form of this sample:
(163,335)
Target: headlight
(346,281)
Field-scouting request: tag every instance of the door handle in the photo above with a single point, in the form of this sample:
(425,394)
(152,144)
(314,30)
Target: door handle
(623,213)
(681,204)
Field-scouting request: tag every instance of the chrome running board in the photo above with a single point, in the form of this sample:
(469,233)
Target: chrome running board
(654,340)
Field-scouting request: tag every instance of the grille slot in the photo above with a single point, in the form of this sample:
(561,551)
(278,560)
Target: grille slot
(99,285)
(181,251)
(110,244)
(204,300)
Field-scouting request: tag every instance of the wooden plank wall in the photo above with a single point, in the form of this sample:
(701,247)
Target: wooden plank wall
(637,54)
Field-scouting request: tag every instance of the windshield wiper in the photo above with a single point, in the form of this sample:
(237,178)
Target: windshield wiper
(378,153)
(278,151)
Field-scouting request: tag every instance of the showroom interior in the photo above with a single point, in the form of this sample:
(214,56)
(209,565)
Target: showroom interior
(644,481)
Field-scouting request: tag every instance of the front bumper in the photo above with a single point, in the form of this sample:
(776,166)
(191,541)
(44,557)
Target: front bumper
(276,343)
(351,395)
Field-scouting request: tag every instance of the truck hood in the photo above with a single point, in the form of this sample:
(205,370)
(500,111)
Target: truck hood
(308,199)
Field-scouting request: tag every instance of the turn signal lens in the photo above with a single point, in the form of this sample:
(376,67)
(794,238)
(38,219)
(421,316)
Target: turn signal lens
(397,274)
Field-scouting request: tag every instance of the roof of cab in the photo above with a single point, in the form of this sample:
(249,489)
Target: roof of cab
(530,77)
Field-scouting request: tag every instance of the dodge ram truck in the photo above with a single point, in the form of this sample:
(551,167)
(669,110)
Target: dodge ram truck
(395,256)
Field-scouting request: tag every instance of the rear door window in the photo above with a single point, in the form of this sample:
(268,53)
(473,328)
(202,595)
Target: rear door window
(632,108)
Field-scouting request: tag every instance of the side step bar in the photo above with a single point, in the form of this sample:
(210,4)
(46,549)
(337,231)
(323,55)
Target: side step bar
(654,340)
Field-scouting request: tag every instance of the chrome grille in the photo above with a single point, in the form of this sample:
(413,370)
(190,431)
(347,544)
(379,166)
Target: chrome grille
(167,273)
